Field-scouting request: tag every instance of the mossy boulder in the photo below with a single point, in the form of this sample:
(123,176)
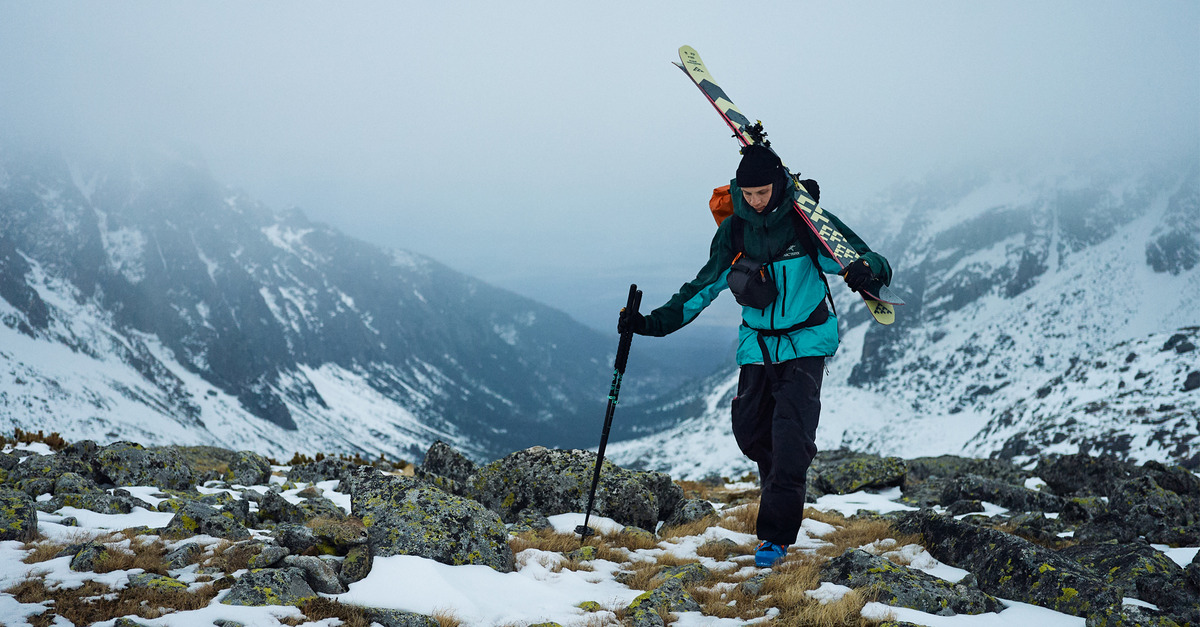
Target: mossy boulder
(1129,616)
(157,583)
(271,586)
(18,516)
(669,596)
(1140,571)
(860,472)
(398,618)
(952,466)
(36,474)
(975,487)
(406,516)
(241,467)
(131,464)
(319,573)
(357,564)
(328,469)
(197,518)
(901,586)
(1083,475)
(1011,567)
(555,481)
(447,468)
(1156,513)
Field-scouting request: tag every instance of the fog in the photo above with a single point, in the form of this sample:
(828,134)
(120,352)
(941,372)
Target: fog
(552,148)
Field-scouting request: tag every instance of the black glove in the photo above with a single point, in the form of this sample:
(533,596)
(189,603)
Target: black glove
(814,190)
(631,321)
(858,274)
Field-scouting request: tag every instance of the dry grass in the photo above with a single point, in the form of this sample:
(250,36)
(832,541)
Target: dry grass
(854,533)
(321,608)
(446,618)
(743,518)
(93,602)
(694,528)
(42,551)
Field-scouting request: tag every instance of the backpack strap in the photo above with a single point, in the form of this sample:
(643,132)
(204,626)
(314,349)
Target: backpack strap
(808,240)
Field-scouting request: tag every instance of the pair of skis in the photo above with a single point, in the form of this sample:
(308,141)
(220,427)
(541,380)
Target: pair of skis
(879,299)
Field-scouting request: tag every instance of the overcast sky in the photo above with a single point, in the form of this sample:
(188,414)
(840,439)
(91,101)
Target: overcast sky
(551,148)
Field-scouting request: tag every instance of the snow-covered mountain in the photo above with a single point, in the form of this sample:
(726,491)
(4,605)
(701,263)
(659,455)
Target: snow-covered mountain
(142,300)
(1046,313)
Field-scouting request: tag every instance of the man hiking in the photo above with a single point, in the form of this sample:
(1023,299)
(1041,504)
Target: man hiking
(774,266)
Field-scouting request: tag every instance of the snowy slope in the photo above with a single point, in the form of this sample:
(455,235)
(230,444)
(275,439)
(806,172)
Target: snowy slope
(1039,309)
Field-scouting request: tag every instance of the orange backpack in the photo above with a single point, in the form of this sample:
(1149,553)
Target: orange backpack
(721,204)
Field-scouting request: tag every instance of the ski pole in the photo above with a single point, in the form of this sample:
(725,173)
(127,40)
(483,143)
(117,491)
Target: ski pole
(631,306)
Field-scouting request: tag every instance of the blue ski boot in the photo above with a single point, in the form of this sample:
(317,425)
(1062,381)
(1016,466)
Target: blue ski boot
(768,554)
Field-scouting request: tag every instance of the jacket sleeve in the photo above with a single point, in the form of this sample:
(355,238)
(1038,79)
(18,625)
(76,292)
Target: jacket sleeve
(698,293)
(879,264)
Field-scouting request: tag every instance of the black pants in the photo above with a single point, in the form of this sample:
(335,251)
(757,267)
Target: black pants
(775,424)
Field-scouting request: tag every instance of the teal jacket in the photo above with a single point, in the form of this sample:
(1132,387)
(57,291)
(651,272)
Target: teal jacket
(770,236)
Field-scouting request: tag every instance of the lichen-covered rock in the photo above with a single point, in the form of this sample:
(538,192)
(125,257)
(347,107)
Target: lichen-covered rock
(398,618)
(1158,514)
(405,516)
(670,596)
(87,555)
(691,510)
(182,555)
(1193,571)
(130,464)
(271,586)
(35,475)
(274,507)
(18,516)
(753,586)
(901,586)
(157,583)
(1011,567)
(555,481)
(1083,475)
(861,473)
(249,468)
(357,564)
(197,518)
(1082,509)
(74,483)
(269,556)
(319,574)
(1142,572)
(952,466)
(1128,616)
(328,469)
(529,520)
(975,487)
(295,538)
(687,573)
(447,468)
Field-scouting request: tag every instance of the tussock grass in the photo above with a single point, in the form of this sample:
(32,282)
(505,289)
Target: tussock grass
(694,528)
(93,602)
(446,618)
(743,518)
(322,608)
(857,532)
(41,551)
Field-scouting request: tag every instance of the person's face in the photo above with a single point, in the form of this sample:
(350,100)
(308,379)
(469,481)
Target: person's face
(757,197)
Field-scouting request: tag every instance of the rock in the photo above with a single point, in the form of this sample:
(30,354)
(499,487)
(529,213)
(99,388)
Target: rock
(157,583)
(328,469)
(277,509)
(268,557)
(555,481)
(1128,616)
(959,508)
(861,473)
(197,518)
(1158,514)
(35,475)
(906,587)
(1083,475)
(405,516)
(128,622)
(687,573)
(318,573)
(295,538)
(1193,571)
(1082,509)
(447,468)
(975,487)
(18,516)
(74,483)
(670,596)
(271,586)
(94,501)
(529,520)
(1144,573)
(183,555)
(398,618)
(952,466)
(754,585)
(249,468)
(357,564)
(130,464)
(691,510)
(87,556)
(1011,567)
(1192,382)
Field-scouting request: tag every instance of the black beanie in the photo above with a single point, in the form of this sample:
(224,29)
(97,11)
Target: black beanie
(759,167)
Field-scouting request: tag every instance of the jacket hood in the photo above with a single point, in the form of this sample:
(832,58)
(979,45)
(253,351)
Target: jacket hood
(778,214)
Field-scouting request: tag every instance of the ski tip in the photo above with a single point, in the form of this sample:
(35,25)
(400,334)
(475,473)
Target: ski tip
(882,312)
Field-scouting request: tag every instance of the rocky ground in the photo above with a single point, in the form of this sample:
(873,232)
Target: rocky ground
(1083,536)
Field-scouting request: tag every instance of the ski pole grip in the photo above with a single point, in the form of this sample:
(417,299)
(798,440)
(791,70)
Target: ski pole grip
(631,306)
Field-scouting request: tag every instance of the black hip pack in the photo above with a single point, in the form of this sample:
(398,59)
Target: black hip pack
(751,283)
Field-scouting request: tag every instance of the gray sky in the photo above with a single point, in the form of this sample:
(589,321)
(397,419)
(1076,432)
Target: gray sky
(551,148)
